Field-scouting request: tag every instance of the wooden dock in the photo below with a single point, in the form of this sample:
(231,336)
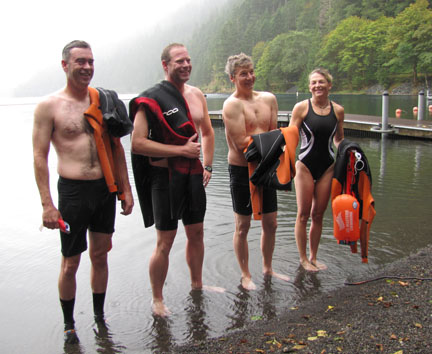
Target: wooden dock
(364,125)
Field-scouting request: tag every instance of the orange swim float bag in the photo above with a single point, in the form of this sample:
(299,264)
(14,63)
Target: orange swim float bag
(346,219)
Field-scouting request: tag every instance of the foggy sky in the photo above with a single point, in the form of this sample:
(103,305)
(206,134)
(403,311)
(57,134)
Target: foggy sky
(35,32)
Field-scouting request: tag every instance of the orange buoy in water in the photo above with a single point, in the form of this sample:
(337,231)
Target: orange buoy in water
(398,113)
(346,219)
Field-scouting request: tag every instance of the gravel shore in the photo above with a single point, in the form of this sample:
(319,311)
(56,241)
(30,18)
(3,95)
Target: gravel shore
(389,313)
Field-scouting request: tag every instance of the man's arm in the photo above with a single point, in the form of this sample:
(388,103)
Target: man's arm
(142,145)
(120,162)
(274,112)
(207,140)
(43,126)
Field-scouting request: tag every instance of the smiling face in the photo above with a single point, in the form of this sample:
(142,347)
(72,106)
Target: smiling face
(319,86)
(179,67)
(79,68)
(244,77)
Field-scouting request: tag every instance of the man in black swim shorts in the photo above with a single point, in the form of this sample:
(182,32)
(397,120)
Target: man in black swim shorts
(247,112)
(168,119)
(88,183)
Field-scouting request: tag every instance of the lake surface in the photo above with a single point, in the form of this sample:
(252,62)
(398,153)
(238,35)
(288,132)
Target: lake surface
(30,259)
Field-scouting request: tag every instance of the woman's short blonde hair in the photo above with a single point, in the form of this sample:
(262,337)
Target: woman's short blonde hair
(323,72)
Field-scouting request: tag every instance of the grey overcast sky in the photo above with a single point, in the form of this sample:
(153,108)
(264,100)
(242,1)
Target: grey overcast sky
(34,32)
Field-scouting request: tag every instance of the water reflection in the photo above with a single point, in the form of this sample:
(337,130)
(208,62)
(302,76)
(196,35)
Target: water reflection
(104,341)
(306,284)
(384,142)
(161,335)
(196,316)
(240,307)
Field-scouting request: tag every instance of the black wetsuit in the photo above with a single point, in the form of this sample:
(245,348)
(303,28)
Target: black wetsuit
(317,134)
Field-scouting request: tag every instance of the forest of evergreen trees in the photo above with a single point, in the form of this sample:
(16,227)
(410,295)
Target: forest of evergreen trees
(361,42)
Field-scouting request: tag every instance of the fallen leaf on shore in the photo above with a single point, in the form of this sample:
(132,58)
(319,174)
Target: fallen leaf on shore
(339,349)
(256,318)
(338,339)
(274,342)
(299,346)
(312,338)
(260,351)
(398,352)
(418,325)
(330,308)
(393,337)
(294,308)
(340,332)
(269,334)
(380,299)
(403,283)
(380,347)
(322,333)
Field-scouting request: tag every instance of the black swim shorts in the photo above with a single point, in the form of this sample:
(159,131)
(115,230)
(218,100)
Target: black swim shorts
(84,205)
(240,192)
(161,201)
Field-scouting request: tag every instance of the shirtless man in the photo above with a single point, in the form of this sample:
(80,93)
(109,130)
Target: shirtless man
(84,199)
(177,66)
(247,112)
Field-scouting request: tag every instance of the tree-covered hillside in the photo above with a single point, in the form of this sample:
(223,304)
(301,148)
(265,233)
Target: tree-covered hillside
(362,42)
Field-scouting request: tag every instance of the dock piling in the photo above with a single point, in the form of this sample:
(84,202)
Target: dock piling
(385,109)
(421,105)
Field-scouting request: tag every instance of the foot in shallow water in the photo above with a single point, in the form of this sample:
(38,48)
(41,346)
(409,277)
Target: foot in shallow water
(277,275)
(247,283)
(215,289)
(102,330)
(71,337)
(308,266)
(319,265)
(159,309)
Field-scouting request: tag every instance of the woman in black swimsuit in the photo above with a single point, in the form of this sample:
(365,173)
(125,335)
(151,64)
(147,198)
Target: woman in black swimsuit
(320,123)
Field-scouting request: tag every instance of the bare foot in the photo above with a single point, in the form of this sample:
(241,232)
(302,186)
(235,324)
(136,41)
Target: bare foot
(308,266)
(215,289)
(159,308)
(247,283)
(278,275)
(319,265)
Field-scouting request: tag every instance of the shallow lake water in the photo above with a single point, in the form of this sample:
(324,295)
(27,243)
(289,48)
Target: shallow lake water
(30,259)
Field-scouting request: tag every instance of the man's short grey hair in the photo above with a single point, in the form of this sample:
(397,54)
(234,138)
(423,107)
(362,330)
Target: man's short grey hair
(74,44)
(237,61)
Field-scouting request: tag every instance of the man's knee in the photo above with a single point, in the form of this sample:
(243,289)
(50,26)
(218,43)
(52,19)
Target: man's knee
(242,227)
(69,267)
(270,226)
(195,232)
